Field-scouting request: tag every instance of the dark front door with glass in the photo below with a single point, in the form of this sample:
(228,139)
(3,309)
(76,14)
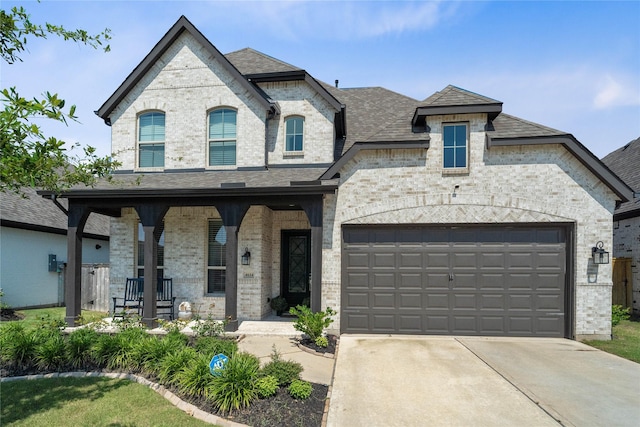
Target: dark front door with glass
(296,265)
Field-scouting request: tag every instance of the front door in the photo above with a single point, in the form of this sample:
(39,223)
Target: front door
(296,265)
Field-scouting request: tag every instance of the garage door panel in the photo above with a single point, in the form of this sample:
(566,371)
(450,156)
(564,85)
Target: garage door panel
(462,280)
(383,280)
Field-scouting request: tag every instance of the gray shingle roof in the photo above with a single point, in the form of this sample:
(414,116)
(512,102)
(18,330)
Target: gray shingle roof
(507,126)
(273,177)
(453,95)
(38,211)
(250,61)
(625,162)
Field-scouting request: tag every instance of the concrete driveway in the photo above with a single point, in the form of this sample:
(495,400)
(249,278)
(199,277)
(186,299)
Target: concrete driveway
(454,381)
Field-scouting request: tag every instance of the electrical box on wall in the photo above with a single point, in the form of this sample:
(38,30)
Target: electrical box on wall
(53,263)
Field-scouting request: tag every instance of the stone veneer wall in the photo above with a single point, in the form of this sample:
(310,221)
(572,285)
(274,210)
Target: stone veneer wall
(504,185)
(626,235)
(186,230)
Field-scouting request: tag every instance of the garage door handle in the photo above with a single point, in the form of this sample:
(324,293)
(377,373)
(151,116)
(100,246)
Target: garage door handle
(451,277)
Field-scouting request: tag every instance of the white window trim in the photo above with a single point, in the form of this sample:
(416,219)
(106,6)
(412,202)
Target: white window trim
(456,170)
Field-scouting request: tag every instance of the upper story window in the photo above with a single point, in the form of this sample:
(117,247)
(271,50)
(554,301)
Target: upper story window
(151,140)
(455,146)
(294,134)
(222,137)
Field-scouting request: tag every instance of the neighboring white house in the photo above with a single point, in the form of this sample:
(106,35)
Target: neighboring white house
(33,231)
(244,178)
(625,162)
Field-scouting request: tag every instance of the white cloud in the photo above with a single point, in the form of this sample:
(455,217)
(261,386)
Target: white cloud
(613,93)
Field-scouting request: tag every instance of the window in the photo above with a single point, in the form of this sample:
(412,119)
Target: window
(151,140)
(140,252)
(454,146)
(222,137)
(294,130)
(217,257)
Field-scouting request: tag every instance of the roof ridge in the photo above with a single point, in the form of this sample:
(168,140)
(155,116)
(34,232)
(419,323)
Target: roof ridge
(264,55)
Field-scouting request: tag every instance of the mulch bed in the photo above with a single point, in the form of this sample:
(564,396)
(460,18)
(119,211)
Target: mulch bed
(330,349)
(9,314)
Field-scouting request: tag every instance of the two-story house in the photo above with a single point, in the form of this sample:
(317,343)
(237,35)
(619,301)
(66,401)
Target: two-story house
(244,178)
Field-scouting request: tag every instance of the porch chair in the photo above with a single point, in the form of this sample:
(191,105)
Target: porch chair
(133,297)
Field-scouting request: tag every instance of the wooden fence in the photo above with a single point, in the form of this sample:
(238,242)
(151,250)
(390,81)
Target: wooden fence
(95,287)
(622,282)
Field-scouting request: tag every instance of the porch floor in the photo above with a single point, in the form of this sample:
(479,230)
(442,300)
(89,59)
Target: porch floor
(271,325)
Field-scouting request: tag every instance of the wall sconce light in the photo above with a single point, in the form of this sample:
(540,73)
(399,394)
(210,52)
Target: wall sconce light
(600,256)
(246,257)
(454,191)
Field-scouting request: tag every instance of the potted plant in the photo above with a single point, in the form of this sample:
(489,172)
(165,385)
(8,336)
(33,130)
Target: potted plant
(279,304)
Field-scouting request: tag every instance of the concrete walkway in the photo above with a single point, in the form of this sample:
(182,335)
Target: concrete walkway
(448,381)
(262,337)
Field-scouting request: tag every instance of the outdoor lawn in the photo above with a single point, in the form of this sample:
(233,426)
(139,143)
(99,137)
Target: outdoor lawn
(31,318)
(87,401)
(625,342)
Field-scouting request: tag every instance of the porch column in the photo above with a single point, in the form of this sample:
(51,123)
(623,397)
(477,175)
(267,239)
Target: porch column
(313,209)
(151,217)
(76,220)
(232,214)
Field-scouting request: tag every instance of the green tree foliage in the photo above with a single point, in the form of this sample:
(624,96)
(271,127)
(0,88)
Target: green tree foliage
(28,158)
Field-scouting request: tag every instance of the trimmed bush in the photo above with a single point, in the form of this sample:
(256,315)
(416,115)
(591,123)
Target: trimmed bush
(235,388)
(310,323)
(322,342)
(284,371)
(619,313)
(300,389)
(266,386)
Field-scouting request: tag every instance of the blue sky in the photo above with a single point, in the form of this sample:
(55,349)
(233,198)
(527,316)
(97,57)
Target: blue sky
(573,66)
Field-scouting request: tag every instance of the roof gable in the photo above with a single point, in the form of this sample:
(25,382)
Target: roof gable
(181,25)
(250,61)
(454,100)
(625,162)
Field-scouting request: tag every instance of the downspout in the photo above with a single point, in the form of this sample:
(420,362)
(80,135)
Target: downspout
(55,201)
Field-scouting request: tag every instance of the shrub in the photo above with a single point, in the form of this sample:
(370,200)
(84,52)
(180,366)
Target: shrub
(51,354)
(310,323)
(78,347)
(279,304)
(619,313)
(266,386)
(19,345)
(322,341)
(173,362)
(209,327)
(214,345)
(116,351)
(300,389)
(284,371)
(194,378)
(148,353)
(235,387)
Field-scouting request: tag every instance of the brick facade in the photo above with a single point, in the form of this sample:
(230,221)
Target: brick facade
(626,234)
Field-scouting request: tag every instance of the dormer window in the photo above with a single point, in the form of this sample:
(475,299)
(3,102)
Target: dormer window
(151,140)
(294,134)
(455,147)
(222,137)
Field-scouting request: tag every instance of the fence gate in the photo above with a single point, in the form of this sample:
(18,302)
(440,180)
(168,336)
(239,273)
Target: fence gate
(622,285)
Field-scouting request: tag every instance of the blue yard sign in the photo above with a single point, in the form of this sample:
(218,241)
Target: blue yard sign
(217,364)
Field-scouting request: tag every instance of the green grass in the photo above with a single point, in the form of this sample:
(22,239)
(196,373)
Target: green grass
(96,401)
(625,342)
(33,317)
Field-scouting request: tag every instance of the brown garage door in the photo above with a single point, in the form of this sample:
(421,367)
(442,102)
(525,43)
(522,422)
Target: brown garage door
(505,280)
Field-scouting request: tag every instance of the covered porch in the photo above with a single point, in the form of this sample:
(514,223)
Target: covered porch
(231,202)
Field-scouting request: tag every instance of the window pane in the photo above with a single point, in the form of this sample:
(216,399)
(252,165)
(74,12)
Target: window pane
(151,127)
(454,146)
(222,124)
(216,281)
(217,256)
(151,155)
(222,153)
(294,128)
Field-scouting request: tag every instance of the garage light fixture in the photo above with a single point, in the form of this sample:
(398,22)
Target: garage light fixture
(600,256)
